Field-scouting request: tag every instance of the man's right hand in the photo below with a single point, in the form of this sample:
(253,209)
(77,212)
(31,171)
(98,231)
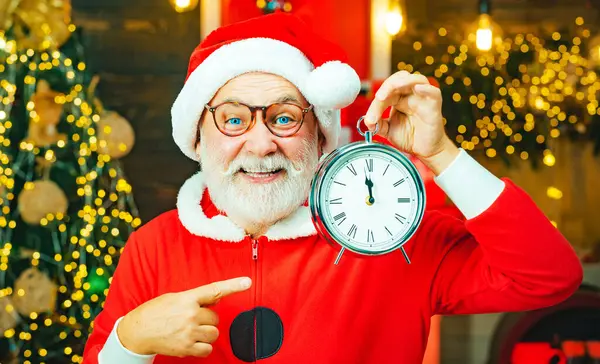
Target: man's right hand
(178,324)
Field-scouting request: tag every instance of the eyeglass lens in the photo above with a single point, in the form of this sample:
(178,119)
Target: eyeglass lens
(281,119)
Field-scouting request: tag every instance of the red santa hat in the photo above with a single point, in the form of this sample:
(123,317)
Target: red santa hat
(278,44)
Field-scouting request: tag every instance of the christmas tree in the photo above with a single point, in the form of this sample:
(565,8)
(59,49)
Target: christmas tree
(66,207)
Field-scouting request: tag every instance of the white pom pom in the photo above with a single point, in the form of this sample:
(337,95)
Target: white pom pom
(333,85)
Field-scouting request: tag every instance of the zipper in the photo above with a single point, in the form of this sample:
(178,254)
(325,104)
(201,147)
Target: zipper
(255,290)
(255,251)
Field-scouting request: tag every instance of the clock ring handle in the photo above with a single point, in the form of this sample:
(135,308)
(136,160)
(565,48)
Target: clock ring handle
(367,134)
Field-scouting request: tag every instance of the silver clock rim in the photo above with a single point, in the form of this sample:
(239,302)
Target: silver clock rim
(328,161)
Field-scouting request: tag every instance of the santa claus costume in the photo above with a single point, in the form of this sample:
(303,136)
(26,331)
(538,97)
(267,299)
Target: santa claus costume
(301,308)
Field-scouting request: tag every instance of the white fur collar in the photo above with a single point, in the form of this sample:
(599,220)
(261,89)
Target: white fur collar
(220,227)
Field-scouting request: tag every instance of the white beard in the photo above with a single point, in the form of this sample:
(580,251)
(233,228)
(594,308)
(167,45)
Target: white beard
(255,206)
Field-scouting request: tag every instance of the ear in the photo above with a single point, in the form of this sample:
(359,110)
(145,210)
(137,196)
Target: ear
(198,138)
(320,140)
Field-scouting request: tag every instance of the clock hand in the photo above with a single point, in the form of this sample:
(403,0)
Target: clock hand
(369,184)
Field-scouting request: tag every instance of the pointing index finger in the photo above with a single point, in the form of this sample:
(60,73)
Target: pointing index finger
(213,292)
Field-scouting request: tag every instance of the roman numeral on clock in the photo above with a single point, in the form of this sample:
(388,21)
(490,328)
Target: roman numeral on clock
(403,199)
(369,164)
(388,230)
(351,168)
(341,216)
(398,183)
(370,237)
(352,231)
(336,201)
(339,183)
(400,218)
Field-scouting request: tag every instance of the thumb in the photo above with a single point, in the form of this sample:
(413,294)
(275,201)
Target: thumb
(212,292)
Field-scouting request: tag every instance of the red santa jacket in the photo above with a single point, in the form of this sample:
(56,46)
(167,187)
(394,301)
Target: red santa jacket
(302,308)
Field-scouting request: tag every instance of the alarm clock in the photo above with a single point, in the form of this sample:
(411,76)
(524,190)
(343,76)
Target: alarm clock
(367,197)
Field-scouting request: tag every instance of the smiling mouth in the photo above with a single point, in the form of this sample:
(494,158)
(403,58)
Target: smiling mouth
(261,173)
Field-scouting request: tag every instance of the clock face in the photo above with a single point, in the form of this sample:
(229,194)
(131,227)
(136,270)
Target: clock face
(370,200)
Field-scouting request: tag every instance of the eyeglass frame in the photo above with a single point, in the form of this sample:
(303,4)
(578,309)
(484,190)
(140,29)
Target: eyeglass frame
(253,109)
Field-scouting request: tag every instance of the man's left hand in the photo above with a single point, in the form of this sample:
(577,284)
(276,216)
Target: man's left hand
(415,124)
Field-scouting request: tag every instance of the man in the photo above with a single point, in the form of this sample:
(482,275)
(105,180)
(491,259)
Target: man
(238,273)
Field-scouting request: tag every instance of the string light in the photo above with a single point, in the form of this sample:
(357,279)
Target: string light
(78,252)
(551,89)
(271,6)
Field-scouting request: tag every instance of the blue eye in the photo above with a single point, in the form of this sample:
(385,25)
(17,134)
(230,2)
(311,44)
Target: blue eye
(283,120)
(235,121)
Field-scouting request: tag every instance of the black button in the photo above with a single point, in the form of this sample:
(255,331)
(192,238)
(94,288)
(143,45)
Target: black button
(256,334)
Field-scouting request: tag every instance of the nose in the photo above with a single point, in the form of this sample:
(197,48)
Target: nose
(259,140)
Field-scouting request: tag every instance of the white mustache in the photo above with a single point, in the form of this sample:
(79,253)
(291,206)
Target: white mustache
(263,164)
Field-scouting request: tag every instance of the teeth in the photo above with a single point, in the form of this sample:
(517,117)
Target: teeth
(269,171)
(259,174)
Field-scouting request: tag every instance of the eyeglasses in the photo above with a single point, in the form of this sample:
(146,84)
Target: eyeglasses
(236,118)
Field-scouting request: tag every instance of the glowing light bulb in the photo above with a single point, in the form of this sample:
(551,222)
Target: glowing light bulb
(394,20)
(182,6)
(484,35)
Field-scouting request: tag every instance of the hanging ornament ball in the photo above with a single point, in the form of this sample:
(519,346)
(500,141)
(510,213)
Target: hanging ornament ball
(115,134)
(42,128)
(47,23)
(7,9)
(8,314)
(47,109)
(97,283)
(39,199)
(34,292)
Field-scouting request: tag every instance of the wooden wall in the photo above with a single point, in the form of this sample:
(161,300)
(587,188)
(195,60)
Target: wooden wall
(141,50)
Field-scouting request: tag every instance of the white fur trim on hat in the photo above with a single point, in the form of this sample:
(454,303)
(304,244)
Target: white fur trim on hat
(330,87)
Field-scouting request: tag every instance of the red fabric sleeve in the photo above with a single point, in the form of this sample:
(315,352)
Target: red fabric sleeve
(509,258)
(132,284)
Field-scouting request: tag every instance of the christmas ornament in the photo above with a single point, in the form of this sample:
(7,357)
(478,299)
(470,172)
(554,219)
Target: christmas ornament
(7,10)
(34,292)
(387,211)
(8,314)
(42,126)
(40,198)
(115,134)
(42,24)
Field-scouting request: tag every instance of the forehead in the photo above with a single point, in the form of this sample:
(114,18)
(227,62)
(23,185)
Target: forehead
(258,88)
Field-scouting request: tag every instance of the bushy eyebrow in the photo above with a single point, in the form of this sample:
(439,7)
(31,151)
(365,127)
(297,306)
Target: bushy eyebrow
(287,98)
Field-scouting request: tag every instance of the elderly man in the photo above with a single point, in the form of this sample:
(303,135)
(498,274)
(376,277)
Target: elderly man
(237,273)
